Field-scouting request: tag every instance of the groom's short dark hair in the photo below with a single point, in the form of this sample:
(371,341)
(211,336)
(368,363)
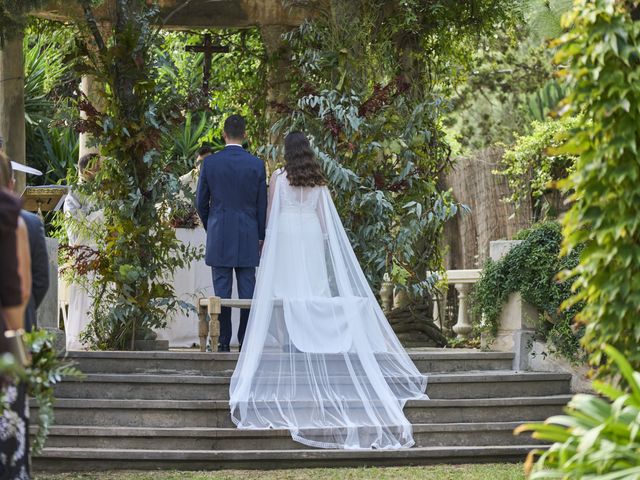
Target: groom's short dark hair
(235,126)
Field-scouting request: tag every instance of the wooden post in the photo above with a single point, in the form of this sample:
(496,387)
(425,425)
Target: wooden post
(12,126)
(203,326)
(214,326)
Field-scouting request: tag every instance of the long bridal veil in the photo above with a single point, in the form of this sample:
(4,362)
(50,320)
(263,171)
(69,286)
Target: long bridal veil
(319,357)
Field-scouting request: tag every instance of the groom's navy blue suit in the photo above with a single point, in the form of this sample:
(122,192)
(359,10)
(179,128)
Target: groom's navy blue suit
(232,203)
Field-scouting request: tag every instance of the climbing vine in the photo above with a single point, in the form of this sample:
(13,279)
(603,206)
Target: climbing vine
(136,248)
(600,52)
(531,269)
(533,168)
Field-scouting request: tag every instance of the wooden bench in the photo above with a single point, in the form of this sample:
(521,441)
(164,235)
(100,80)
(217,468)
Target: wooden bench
(211,306)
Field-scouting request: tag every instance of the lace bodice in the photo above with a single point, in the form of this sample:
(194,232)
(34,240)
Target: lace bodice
(297,199)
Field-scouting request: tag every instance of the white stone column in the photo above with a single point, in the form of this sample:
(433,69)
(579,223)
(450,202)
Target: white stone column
(463,280)
(463,326)
(12,121)
(50,306)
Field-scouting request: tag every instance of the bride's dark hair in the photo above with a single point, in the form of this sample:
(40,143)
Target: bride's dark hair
(300,162)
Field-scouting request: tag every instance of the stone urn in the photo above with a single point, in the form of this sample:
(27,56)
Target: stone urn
(386,296)
(400,298)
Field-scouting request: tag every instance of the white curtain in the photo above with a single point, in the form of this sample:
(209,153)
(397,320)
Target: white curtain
(319,357)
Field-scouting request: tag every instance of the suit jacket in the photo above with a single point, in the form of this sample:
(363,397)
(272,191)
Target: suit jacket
(231,199)
(39,267)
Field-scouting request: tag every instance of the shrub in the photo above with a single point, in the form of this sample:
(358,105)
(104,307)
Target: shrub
(531,268)
(596,439)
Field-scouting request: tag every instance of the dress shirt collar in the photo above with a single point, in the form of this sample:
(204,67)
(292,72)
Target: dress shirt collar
(233,145)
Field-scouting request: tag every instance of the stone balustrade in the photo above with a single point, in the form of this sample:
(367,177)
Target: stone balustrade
(462,280)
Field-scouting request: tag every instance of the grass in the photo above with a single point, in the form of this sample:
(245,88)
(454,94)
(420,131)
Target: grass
(436,472)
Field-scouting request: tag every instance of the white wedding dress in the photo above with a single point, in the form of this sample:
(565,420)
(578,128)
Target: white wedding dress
(319,357)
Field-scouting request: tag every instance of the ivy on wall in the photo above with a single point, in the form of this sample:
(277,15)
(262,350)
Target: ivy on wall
(531,268)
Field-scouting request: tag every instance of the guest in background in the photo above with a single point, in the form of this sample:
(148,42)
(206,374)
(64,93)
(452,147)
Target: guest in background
(39,259)
(183,212)
(15,290)
(83,220)
(190,179)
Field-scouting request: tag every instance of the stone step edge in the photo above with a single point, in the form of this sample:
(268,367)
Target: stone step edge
(124,404)
(221,432)
(444,354)
(67,453)
(439,378)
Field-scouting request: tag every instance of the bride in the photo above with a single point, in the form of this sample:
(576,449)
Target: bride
(319,357)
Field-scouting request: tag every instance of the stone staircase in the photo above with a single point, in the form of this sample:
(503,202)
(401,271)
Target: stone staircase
(150,410)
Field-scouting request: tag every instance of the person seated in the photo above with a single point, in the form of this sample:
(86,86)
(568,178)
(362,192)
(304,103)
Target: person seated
(190,179)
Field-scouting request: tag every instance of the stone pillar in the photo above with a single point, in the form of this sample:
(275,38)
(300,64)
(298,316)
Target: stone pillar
(91,89)
(386,296)
(463,280)
(278,83)
(12,121)
(48,309)
(463,326)
(517,319)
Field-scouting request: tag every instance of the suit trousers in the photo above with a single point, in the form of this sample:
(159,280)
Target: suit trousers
(222,284)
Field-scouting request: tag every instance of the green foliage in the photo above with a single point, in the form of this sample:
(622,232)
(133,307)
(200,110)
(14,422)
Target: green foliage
(531,268)
(51,146)
(509,81)
(532,167)
(600,52)
(46,370)
(137,250)
(596,439)
(182,141)
(543,101)
(367,98)
(55,152)
(237,85)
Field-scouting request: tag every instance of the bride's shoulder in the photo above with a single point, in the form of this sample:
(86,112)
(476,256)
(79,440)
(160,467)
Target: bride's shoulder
(276,173)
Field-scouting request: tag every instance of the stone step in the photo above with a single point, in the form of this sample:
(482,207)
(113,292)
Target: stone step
(199,387)
(91,459)
(425,435)
(215,413)
(427,361)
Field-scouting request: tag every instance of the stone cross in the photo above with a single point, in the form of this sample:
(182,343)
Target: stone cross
(208,48)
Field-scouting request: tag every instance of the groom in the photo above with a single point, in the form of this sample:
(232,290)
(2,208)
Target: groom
(231,200)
